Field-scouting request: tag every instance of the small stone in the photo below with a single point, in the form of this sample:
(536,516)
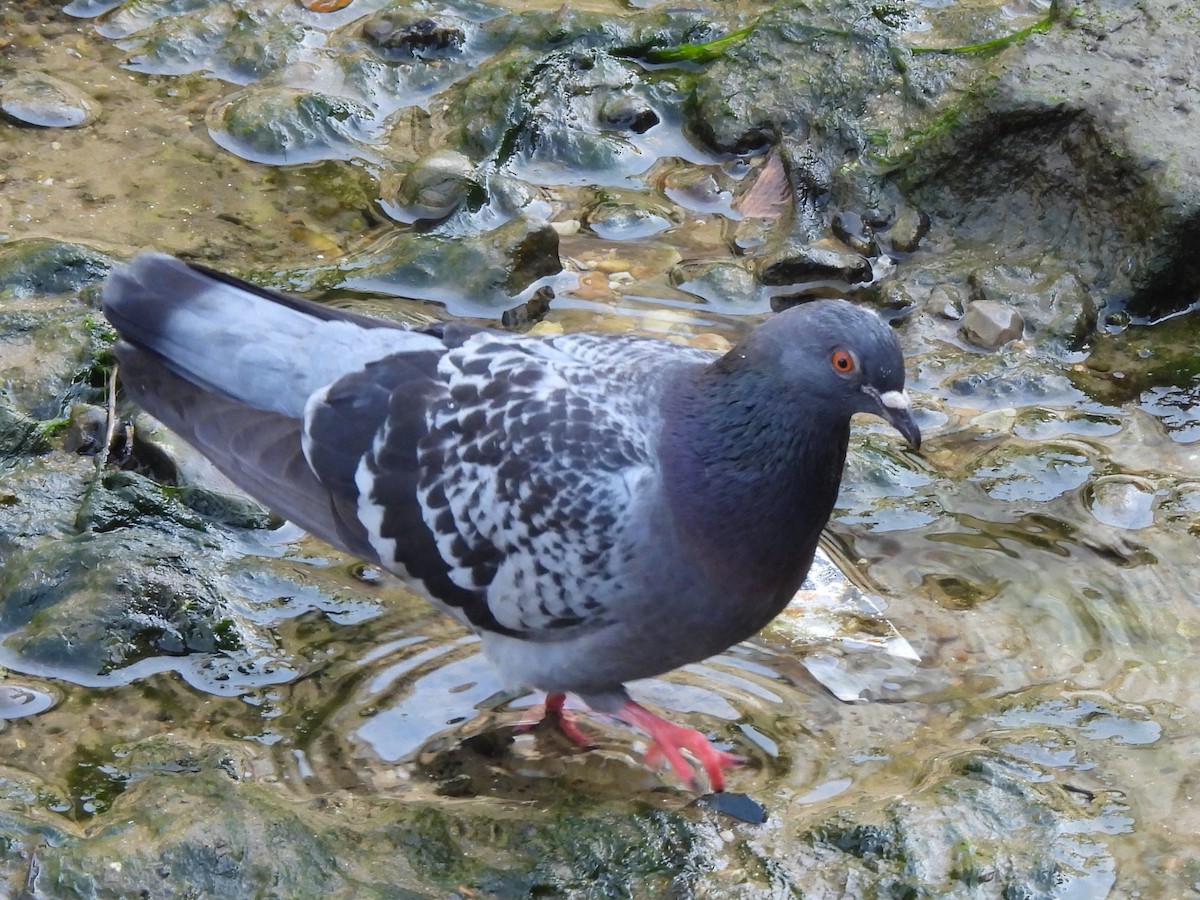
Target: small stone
(43,101)
(989,324)
(851,230)
(1122,501)
(433,188)
(18,700)
(628,112)
(908,230)
(947,301)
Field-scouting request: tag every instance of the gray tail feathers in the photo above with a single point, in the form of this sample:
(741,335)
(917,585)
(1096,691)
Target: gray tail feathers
(260,349)
(259,450)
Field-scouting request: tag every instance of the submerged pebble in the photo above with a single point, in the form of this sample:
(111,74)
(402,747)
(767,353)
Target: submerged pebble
(43,101)
(18,701)
(626,218)
(1122,501)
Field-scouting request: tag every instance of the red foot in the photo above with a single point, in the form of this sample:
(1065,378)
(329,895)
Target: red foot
(558,715)
(668,739)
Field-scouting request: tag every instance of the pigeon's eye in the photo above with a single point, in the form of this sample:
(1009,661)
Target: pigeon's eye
(843,361)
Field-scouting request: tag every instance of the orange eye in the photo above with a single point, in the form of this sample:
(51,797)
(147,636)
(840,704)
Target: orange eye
(843,361)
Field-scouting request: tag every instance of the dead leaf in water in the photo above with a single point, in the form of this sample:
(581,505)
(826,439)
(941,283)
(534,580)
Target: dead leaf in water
(770,195)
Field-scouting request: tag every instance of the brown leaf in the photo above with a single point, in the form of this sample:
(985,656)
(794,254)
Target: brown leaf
(770,196)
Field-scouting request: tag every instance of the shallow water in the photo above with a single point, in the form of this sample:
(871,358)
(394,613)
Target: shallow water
(1040,555)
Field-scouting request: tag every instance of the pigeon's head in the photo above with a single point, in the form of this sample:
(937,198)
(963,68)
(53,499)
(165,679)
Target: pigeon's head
(842,357)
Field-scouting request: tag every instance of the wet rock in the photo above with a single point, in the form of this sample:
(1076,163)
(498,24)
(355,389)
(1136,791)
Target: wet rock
(808,82)
(87,429)
(285,125)
(190,817)
(36,266)
(473,273)
(412,34)
(989,324)
(20,435)
(961,844)
(557,126)
(627,216)
(64,604)
(696,188)
(1067,149)
(173,44)
(434,188)
(948,301)
(795,297)
(796,262)
(1057,307)
(44,101)
(628,113)
(893,300)
(1122,501)
(530,312)
(257,44)
(1038,472)
(18,700)
(851,230)
(908,230)
(723,285)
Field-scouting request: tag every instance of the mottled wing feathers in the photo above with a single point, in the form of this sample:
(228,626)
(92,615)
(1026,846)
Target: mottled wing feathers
(361,436)
(530,468)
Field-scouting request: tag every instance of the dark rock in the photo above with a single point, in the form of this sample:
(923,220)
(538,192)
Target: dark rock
(408,34)
(530,312)
(37,266)
(851,230)
(796,262)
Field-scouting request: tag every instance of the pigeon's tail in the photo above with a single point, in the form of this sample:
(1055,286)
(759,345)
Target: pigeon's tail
(231,368)
(238,341)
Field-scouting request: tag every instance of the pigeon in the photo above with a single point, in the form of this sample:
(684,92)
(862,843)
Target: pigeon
(597,508)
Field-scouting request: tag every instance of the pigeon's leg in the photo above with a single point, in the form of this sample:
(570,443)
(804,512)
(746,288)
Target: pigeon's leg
(667,740)
(556,713)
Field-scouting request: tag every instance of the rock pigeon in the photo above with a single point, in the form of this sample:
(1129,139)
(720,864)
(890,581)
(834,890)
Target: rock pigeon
(597,508)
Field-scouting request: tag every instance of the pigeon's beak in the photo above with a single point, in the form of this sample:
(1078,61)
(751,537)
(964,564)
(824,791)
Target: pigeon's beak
(896,408)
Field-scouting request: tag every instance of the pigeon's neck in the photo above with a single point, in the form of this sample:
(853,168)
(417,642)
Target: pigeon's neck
(752,471)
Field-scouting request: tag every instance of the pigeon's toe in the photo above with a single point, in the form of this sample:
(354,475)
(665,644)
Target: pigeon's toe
(668,742)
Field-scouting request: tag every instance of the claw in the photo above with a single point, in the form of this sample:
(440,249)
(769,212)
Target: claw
(667,740)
